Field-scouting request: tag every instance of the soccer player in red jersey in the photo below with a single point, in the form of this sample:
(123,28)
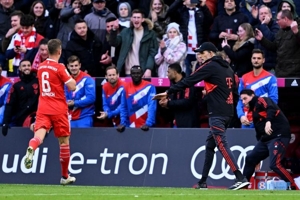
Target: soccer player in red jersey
(52,109)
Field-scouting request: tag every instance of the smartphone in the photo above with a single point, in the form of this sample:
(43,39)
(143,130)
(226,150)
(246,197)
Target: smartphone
(256,32)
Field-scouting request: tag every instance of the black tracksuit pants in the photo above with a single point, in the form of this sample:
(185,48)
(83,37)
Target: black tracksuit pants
(217,138)
(275,150)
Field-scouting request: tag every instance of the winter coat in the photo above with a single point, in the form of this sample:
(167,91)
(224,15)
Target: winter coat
(148,46)
(203,21)
(269,31)
(171,54)
(96,22)
(287,45)
(67,23)
(89,52)
(223,22)
(241,58)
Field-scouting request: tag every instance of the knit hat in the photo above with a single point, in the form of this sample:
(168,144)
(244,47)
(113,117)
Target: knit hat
(173,25)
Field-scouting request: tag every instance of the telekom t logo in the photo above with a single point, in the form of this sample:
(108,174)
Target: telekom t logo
(160,81)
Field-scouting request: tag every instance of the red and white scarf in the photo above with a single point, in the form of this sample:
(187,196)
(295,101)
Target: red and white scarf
(27,41)
(37,60)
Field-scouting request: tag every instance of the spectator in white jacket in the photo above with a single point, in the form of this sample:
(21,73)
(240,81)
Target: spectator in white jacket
(171,49)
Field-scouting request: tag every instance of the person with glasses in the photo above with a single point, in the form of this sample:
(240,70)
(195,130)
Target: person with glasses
(286,44)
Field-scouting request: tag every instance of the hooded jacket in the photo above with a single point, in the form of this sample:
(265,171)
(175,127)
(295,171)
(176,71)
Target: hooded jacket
(293,7)
(220,86)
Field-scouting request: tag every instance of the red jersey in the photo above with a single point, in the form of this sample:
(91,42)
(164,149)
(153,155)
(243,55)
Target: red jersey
(52,78)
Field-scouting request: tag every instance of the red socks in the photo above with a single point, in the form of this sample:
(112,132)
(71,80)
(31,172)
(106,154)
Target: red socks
(35,143)
(64,157)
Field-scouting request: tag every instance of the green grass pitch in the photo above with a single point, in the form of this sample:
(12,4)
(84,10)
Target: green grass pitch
(73,192)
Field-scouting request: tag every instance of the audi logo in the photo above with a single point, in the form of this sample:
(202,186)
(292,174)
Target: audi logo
(225,169)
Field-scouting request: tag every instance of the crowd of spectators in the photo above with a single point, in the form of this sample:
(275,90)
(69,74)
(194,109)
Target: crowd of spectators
(106,38)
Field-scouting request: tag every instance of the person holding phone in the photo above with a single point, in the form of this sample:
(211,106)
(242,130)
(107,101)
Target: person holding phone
(26,39)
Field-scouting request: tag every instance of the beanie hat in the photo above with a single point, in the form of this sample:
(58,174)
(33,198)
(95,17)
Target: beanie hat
(173,25)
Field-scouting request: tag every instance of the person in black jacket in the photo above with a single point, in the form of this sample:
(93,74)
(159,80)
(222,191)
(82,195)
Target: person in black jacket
(183,104)
(23,99)
(195,20)
(272,132)
(43,24)
(220,86)
(88,48)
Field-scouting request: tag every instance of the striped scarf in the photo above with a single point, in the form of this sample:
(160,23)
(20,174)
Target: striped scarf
(37,60)
(27,41)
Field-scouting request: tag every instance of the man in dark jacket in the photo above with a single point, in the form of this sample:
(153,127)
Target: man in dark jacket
(272,132)
(269,28)
(226,25)
(23,99)
(86,46)
(195,20)
(286,44)
(220,87)
(6,8)
(183,104)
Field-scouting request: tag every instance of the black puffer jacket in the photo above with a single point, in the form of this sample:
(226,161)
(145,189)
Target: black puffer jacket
(89,52)
(22,100)
(203,20)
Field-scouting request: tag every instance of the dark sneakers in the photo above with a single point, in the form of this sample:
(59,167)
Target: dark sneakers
(201,186)
(239,184)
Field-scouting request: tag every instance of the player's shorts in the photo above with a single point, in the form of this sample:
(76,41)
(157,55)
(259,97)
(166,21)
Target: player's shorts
(60,124)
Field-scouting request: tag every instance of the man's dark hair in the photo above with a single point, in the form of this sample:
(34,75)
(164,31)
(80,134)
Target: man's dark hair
(248,92)
(110,19)
(176,67)
(27,20)
(111,67)
(80,20)
(17,13)
(54,46)
(138,11)
(258,51)
(43,41)
(24,60)
(287,13)
(136,67)
(73,58)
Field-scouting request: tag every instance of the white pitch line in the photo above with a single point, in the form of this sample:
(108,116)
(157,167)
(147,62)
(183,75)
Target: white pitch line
(146,194)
